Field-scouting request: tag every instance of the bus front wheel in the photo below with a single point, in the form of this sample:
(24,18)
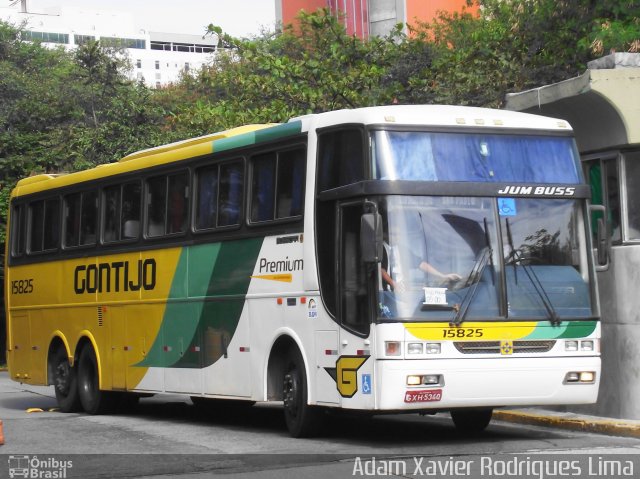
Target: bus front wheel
(471,420)
(65,382)
(302,420)
(94,401)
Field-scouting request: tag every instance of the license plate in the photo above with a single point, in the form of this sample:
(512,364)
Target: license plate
(430,395)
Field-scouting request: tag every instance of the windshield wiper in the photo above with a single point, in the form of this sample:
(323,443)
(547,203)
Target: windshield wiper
(516,256)
(474,277)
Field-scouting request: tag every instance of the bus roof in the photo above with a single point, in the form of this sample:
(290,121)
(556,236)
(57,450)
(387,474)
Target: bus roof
(423,115)
(436,116)
(159,155)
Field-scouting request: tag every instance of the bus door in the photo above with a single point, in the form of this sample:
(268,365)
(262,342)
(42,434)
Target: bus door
(118,337)
(356,303)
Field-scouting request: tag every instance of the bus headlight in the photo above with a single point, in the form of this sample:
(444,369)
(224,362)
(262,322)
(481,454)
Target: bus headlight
(433,348)
(580,377)
(586,345)
(425,380)
(414,348)
(571,345)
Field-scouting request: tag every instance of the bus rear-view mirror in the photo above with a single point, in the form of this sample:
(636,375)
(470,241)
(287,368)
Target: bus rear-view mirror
(371,238)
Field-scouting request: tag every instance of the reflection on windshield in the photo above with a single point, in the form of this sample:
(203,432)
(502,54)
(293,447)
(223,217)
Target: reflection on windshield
(545,259)
(435,251)
(429,156)
(447,259)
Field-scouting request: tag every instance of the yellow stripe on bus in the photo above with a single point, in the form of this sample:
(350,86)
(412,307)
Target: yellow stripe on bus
(471,331)
(285,277)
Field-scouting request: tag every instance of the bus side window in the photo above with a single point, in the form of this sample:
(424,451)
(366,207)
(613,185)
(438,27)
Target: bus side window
(130,216)
(341,158)
(263,187)
(71,219)
(632,182)
(605,190)
(18,231)
(167,203)
(156,206)
(278,185)
(207,203)
(178,203)
(290,186)
(79,219)
(231,192)
(121,212)
(111,216)
(88,218)
(44,218)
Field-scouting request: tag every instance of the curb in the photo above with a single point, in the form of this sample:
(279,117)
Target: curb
(611,427)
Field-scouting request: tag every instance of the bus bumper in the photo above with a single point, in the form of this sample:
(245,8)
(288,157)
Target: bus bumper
(486,382)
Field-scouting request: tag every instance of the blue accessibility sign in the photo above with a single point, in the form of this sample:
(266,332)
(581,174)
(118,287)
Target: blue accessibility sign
(366,384)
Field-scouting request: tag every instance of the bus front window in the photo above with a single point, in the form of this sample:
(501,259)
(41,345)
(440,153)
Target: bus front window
(439,255)
(545,255)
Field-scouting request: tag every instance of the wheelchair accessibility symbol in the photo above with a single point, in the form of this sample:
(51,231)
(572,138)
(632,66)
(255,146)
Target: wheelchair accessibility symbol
(507,206)
(366,384)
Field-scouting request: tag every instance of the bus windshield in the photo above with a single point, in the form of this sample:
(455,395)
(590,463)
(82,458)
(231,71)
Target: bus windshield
(428,156)
(458,258)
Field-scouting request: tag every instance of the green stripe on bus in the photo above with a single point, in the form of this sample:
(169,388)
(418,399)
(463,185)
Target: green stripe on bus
(280,131)
(572,329)
(579,329)
(259,136)
(180,320)
(195,330)
(219,318)
(225,144)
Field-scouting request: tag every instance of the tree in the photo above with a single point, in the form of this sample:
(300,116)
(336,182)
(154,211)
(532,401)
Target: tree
(520,44)
(65,111)
(312,68)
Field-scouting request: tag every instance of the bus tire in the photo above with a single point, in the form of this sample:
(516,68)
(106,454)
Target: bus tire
(94,401)
(302,420)
(471,420)
(65,382)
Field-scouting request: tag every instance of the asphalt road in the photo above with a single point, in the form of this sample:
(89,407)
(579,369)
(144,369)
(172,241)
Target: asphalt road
(166,436)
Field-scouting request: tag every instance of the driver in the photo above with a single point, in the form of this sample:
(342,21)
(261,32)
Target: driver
(391,271)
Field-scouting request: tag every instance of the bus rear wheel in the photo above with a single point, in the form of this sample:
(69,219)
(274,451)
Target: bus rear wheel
(302,420)
(94,401)
(471,420)
(65,382)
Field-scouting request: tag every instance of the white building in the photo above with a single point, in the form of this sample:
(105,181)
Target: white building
(157,58)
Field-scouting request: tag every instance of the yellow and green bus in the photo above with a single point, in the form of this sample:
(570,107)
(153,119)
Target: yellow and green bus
(384,259)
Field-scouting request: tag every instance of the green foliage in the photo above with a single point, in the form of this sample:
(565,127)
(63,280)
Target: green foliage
(311,68)
(616,27)
(63,111)
(519,44)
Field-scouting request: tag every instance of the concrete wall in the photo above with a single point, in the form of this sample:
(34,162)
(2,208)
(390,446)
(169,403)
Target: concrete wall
(603,107)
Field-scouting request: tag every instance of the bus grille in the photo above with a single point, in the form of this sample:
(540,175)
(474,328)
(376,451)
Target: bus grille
(493,347)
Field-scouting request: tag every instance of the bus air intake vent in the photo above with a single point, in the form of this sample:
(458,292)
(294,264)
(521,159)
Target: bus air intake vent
(493,347)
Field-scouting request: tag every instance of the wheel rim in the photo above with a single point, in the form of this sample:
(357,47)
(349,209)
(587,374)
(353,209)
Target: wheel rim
(291,393)
(62,377)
